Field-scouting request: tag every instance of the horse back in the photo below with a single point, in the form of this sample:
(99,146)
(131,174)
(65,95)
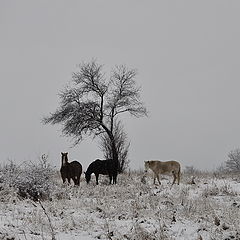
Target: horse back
(171,166)
(73,168)
(104,167)
(165,167)
(76,165)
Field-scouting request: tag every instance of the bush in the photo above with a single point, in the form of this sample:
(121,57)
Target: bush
(32,180)
(233,162)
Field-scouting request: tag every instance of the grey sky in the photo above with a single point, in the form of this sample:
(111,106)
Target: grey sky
(187,55)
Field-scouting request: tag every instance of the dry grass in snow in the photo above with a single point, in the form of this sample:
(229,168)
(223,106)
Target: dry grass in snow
(132,209)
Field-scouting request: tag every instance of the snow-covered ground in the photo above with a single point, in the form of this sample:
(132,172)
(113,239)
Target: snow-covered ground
(132,209)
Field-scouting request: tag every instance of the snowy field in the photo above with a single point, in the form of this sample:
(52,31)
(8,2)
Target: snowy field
(132,209)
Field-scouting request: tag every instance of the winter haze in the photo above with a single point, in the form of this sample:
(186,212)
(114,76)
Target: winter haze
(187,56)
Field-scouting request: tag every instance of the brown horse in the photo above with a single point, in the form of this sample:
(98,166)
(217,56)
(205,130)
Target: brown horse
(159,167)
(72,170)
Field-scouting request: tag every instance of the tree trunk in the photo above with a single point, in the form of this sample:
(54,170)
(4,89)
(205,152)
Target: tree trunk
(114,149)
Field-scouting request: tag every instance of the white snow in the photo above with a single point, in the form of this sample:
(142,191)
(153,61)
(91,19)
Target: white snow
(128,210)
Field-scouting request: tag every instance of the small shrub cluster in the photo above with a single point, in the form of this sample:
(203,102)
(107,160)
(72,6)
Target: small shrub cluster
(32,180)
(215,190)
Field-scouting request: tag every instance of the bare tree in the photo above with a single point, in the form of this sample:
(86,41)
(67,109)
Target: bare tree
(122,146)
(233,162)
(91,104)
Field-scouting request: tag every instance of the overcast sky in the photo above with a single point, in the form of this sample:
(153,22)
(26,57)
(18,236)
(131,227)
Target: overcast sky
(187,55)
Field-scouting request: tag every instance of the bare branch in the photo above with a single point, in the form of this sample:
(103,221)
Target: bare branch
(125,95)
(122,146)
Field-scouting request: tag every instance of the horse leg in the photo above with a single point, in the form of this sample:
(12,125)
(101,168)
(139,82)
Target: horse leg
(64,177)
(157,175)
(78,181)
(69,180)
(110,177)
(154,177)
(115,179)
(74,180)
(96,178)
(178,178)
(174,178)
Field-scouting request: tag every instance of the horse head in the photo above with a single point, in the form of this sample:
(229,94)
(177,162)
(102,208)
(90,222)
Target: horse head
(64,158)
(146,165)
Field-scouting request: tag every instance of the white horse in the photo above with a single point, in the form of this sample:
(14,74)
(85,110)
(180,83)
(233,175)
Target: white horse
(159,167)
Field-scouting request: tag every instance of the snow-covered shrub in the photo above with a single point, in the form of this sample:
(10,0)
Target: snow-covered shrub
(36,180)
(218,189)
(30,180)
(8,174)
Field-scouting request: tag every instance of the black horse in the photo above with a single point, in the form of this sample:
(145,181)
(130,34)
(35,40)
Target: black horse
(72,170)
(105,167)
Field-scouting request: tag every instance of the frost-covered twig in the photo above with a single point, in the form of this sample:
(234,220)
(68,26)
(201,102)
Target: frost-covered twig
(49,220)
